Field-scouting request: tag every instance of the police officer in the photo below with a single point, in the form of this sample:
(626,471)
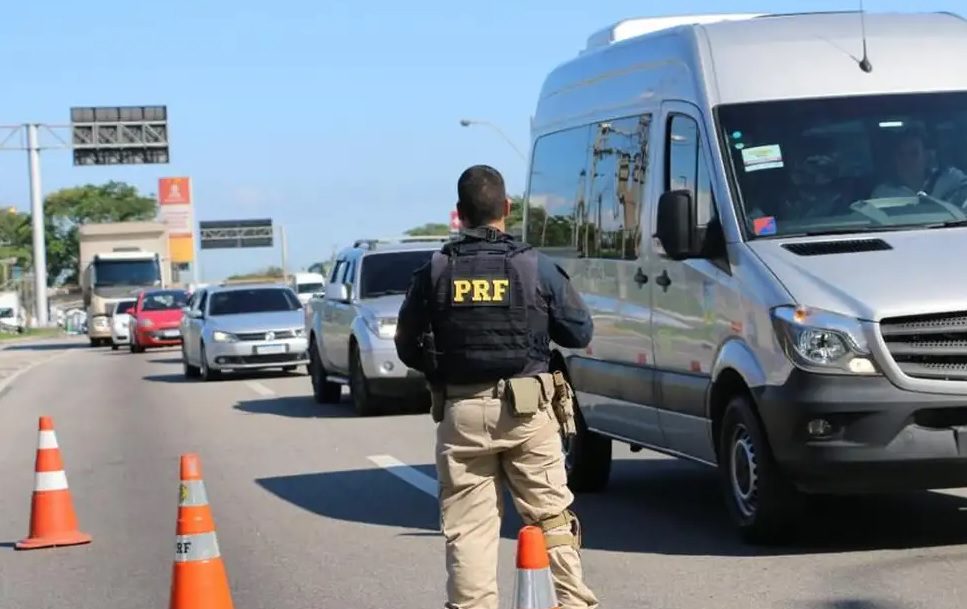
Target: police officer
(477,321)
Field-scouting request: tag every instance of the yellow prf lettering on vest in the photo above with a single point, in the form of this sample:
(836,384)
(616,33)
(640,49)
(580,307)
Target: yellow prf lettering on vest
(480,291)
(461,287)
(500,288)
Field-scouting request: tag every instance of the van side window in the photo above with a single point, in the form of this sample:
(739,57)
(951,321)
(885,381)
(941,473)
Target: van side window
(685,167)
(619,157)
(596,217)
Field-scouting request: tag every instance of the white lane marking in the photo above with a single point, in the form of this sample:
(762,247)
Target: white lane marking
(259,388)
(404,472)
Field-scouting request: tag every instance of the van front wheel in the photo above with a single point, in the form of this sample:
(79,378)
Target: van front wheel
(761,500)
(587,457)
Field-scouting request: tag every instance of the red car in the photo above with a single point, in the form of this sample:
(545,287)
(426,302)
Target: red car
(156,319)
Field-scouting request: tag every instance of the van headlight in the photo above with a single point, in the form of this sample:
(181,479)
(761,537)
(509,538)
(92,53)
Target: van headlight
(223,337)
(383,327)
(821,341)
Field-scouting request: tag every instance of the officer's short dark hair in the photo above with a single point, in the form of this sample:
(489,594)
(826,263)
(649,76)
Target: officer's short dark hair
(481,195)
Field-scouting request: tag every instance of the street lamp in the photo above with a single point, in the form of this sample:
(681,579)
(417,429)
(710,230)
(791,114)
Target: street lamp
(468,122)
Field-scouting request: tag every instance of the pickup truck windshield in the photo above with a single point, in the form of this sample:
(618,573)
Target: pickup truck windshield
(856,164)
(390,273)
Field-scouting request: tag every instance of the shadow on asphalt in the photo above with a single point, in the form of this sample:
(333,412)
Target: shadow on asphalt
(165,360)
(850,603)
(57,346)
(179,377)
(659,506)
(304,406)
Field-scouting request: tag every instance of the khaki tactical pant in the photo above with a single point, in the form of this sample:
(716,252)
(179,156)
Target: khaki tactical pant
(479,445)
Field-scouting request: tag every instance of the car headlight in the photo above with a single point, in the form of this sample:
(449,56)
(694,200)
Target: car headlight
(299,332)
(146,323)
(822,341)
(223,337)
(383,327)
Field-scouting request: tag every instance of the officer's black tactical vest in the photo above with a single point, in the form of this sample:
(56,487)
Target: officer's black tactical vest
(489,322)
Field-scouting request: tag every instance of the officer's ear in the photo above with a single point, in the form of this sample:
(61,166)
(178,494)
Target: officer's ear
(507,205)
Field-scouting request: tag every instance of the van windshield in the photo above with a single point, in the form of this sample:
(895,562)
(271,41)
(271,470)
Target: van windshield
(844,165)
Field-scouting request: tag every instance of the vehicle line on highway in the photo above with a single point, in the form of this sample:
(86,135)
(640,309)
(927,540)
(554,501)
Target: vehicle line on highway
(259,388)
(404,472)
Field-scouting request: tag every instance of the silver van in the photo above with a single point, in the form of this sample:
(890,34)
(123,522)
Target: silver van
(769,228)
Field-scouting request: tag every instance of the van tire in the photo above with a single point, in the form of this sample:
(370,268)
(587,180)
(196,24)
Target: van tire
(762,502)
(587,458)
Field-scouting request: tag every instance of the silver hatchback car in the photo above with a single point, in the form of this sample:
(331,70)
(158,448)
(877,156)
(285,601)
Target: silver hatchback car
(243,327)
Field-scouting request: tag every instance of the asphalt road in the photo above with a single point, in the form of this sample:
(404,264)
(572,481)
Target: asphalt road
(318,508)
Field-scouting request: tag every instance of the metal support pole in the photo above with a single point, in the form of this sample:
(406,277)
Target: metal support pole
(285,254)
(37,211)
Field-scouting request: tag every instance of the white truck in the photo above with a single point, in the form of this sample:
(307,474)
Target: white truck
(117,261)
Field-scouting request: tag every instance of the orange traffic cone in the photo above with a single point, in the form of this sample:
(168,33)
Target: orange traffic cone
(198,579)
(535,587)
(52,518)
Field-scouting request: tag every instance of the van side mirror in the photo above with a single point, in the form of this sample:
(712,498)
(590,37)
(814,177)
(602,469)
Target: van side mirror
(677,230)
(338,292)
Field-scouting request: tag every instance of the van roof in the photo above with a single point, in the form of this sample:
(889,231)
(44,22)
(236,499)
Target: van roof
(724,59)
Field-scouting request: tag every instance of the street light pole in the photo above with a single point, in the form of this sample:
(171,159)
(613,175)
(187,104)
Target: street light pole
(467,123)
(37,211)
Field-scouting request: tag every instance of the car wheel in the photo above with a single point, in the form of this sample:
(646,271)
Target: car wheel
(587,457)
(207,373)
(762,502)
(191,372)
(323,391)
(359,388)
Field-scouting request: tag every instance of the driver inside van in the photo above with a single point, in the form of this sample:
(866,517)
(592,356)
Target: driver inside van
(913,173)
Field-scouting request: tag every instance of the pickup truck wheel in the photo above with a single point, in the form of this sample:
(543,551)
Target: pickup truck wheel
(587,457)
(323,391)
(762,502)
(362,398)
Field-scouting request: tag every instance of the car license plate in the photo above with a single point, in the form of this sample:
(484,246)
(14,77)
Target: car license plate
(172,333)
(270,349)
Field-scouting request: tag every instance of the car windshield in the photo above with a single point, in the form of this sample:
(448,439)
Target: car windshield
(856,164)
(390,273)
(255,300)
(124,305)
(164,301)
(6,312)
(310,288)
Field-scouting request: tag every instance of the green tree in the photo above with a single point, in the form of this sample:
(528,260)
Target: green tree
(272,272)
(68,208)
(430,229)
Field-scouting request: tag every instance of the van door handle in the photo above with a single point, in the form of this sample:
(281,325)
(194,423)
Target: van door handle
(664,280)
(640,278)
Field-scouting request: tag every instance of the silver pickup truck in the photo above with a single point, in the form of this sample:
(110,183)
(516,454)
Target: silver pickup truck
(351,327)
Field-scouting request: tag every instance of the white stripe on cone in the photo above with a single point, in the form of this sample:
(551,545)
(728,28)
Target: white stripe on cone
(535,589)
(50,481)
(47,439)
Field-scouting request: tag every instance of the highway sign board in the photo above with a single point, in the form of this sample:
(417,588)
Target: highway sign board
(222,234)
(119,135)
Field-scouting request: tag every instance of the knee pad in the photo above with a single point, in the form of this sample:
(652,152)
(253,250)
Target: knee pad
(572,538)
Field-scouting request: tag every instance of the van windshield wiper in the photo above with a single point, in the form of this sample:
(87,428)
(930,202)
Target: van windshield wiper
(947,224)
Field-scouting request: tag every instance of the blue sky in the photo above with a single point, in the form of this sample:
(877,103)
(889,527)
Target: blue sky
(339,119)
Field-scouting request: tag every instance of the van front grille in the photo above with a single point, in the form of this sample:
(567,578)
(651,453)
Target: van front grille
(929,346)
